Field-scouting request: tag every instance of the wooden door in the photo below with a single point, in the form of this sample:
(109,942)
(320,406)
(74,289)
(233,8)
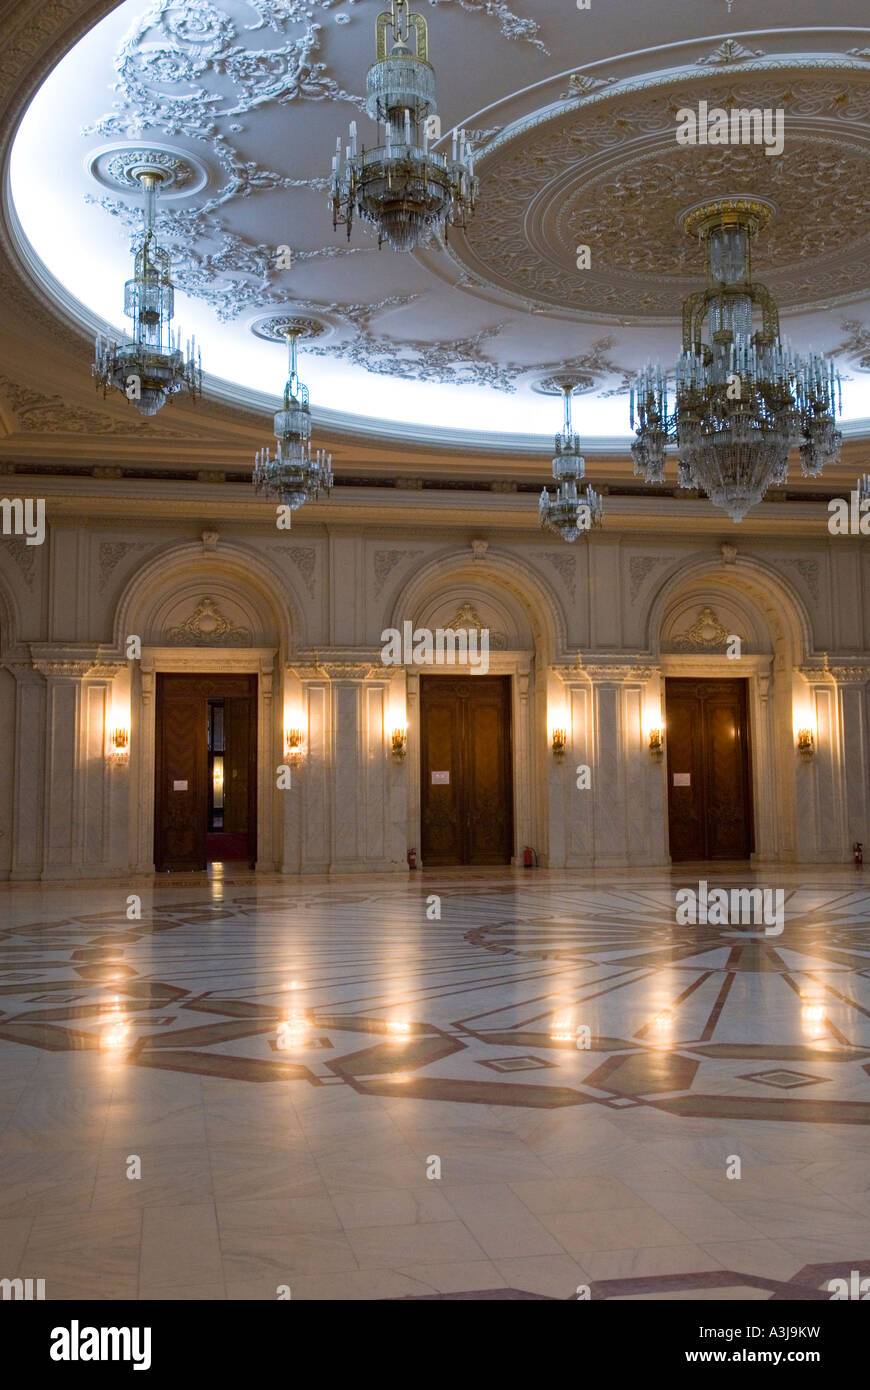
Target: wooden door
(181,788)
(709,788)
(467,781)
(181,800)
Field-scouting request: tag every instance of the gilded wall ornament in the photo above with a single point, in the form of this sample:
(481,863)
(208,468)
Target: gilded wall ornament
(705,634)
(207,625)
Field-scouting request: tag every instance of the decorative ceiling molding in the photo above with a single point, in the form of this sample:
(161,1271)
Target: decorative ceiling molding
(728,53)
(280,60)
(582,172)
(856,346)
(37,413)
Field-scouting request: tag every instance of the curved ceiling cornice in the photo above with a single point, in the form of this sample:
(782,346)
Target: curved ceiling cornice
(453,343)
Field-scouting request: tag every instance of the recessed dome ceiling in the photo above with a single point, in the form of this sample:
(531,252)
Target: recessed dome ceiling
(241,101)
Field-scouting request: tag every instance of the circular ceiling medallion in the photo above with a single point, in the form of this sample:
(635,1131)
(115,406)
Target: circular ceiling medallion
(580,206)
(275,327)
(121,167)
(752,212)
(579,383)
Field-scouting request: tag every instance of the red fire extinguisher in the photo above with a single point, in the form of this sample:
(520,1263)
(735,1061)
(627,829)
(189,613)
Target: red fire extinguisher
(530,858)
(412,859)
(858,851)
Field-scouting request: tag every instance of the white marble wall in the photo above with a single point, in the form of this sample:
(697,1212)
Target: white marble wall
(586,634)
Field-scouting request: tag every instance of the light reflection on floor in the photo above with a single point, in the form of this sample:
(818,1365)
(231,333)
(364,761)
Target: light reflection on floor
(289,1057)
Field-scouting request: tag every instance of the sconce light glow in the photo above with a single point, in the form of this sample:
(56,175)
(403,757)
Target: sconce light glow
(399,741)
(119,744)
(806,742)
(559,740)
(656,743)
(294,746)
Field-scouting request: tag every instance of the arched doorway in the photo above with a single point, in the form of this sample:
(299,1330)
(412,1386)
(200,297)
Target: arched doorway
(730,640)
(489,737)
(214,620)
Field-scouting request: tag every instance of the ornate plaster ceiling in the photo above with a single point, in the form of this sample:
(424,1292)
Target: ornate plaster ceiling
(243,100)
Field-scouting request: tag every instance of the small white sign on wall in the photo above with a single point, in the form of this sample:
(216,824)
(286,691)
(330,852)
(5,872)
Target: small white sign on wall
(179,786)
(441,779)
(682,779)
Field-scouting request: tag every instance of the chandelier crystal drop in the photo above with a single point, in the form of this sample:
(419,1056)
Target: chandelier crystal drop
(401,187)
(295,475)
(149,366)
(569,511)
(743,398)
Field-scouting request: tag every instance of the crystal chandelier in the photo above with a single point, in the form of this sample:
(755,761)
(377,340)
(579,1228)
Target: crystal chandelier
(743,398)
(569,511)
(403,188)
(150,365)
(294,475)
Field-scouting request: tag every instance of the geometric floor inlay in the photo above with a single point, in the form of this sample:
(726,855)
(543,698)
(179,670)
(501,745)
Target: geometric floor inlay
(601,990)
(784,1080)
(555,1086)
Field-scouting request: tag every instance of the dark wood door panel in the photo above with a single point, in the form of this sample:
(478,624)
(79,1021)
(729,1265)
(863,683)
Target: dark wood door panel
(181,757)
(466,733)
(443,825)
(488,780)
(685,743)
(709,794)
(181,788)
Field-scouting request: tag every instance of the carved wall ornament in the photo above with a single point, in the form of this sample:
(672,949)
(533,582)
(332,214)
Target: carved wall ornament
(851,675)
(23,555)
(639,566)
(468,619)
(109,556)
(566,567)
(705,633)
(728,552)
(304,557)
(385,561)
(611,674)
(38,413)
(207,625)
(479,549)
(810,573)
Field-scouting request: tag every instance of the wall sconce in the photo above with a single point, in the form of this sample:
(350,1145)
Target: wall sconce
(656,743)
(119,749)
(559,742)
(293,748)
(399,742)
(806,742)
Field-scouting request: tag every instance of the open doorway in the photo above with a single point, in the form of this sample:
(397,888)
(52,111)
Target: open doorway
(205,776)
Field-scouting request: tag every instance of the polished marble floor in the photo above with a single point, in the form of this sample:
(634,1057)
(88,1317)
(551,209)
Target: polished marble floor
(294,1062)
